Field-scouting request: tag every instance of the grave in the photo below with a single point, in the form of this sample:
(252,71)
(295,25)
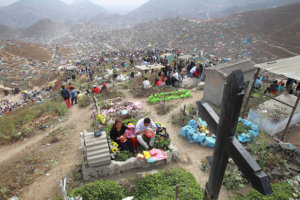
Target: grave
(97,158)
(272,116)
(216,76)
(188,83)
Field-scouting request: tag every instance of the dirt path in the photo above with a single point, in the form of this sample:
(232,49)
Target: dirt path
(190,154)
(9,151)
(47,186)
(282,48)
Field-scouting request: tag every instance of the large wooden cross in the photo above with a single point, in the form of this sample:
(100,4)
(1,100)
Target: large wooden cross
(226,143)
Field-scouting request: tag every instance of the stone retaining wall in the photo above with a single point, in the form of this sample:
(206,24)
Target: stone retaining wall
(116,167)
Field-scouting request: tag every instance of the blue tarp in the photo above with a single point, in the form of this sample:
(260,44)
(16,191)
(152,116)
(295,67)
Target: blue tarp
(252,133)
(194,136)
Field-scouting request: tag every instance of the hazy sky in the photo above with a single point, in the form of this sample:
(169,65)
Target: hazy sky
(111,5)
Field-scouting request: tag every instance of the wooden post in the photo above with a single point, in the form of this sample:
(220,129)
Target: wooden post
(164,102)
(134,83)
(177,192)
(184,108)
(290,119)
(238,50)
(251,90)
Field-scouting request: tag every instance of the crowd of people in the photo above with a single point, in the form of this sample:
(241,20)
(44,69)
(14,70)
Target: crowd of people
(27,96)
(289,86)
(7,107)
(72,96)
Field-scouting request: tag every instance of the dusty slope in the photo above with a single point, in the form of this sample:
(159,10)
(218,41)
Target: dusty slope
(26,50)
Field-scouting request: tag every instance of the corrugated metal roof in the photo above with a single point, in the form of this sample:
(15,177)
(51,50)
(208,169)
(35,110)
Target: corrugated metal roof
(229,67)
(289,67)
(96,149)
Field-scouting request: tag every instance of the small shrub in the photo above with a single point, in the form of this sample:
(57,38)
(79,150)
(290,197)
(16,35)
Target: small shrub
(267,158)
(233,179)
(77,173)
(85,101)
(281,191)
(101,190)
(108,128)
(160,186)
(140,93)
(204,164)
(110,94)
(163,186)
(123,155)
(132,120)
(125,85)
(180,119)
(241,128)
(161,143)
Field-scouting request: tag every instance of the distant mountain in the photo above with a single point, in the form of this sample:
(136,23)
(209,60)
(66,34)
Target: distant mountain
(83,11)
(274,33)
(161,9)
(44,28)
(111,20)
(9,32)
(25,13)
(241,6)
(202,9)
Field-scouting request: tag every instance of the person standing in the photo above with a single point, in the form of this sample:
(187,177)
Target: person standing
(66,95)
(73,77)
(91,73)
(200,70)
(73,96)
(70,86)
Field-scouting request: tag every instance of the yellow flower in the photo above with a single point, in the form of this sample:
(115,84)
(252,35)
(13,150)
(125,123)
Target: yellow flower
(115,144)
(114,150)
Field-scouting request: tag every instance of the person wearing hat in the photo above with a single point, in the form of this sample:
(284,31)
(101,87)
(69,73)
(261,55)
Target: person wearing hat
(104,88)
(96,90)
(146,127)
(131,135)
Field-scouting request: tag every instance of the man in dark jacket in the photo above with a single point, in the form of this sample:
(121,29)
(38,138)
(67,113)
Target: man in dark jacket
(66,95)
